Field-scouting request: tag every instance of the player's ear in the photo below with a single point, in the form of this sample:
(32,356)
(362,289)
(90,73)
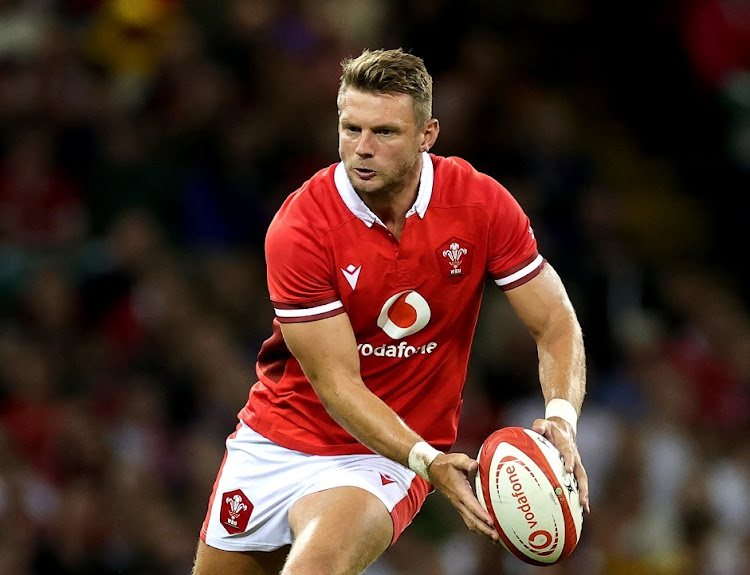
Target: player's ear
(429,134)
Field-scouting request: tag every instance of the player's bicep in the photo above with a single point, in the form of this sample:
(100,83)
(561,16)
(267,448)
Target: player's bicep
(326,350)
(541,302)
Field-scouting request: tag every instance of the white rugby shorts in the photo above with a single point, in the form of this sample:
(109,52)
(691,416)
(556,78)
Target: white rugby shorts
(259,481)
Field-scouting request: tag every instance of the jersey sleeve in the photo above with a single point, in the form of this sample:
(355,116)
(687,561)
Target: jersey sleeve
(514,258)
(300,283)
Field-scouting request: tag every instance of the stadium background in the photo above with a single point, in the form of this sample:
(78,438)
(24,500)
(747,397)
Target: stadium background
(144,145)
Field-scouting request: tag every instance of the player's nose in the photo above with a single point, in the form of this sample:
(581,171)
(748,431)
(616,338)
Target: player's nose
(364,144)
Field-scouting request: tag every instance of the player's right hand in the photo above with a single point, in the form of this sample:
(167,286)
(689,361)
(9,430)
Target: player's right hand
(449,473)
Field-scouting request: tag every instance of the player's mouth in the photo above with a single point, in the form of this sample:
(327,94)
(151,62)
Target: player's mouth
(364,173)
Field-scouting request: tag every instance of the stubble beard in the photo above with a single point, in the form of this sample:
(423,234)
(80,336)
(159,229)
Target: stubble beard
(391,186)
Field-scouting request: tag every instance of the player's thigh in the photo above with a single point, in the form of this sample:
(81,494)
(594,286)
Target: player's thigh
(212,561)
(337,531)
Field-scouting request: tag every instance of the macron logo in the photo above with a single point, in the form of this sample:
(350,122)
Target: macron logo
(385,479)
(351,274)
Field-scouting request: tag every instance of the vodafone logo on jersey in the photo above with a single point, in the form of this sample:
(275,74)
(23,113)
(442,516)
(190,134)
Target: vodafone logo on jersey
(403,314)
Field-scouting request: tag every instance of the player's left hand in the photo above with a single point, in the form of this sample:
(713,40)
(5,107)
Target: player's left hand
(560,433)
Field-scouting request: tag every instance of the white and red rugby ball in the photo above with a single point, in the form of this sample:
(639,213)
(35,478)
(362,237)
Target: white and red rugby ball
(533,501)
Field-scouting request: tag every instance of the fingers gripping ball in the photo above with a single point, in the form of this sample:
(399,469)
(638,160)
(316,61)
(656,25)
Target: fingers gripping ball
(533,501)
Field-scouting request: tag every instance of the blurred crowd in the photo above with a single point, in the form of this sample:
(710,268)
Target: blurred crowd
(144,147)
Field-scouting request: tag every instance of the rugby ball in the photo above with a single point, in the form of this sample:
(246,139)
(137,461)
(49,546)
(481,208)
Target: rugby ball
(533,501)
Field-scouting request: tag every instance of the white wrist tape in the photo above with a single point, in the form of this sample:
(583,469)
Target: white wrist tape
(420,457)
(564,410)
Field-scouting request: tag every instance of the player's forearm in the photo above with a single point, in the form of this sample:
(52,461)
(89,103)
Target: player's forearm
(327,353)
(562,361)
(367,418)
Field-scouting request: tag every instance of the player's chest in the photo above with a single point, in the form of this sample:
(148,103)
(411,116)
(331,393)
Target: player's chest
(443,261)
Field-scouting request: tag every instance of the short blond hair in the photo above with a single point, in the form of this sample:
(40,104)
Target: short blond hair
(390,72)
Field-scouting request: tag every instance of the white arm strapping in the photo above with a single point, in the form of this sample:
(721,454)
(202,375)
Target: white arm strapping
(420,458)
(564,410)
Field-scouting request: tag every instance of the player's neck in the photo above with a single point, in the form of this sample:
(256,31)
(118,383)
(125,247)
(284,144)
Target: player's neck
(392,208)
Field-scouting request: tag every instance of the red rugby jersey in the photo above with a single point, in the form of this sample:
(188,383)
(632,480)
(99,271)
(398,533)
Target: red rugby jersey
(413,304)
